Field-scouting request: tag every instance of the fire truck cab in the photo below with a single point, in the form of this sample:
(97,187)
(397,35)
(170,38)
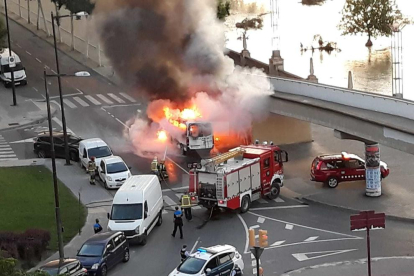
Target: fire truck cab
(236,178)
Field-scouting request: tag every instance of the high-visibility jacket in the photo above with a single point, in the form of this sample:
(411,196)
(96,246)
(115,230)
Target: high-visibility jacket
(91,166)
(185,201)
(154,166)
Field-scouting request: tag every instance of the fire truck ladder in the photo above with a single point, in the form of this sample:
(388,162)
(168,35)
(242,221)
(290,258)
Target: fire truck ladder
(217,160)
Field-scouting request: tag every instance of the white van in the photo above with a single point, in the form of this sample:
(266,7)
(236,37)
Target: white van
(18,69)
(137,207)
(93,147)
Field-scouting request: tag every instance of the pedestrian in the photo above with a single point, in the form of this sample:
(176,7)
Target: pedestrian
(92,170)
(236,271)
(97,227)
(184,253)
(178,222)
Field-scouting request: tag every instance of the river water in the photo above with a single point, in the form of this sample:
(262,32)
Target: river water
(298,23)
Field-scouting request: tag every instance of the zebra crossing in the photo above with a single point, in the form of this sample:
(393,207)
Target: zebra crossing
(6,152)
(81,101)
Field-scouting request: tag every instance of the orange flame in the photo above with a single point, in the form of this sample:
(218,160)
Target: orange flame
(162,135)
(177,117)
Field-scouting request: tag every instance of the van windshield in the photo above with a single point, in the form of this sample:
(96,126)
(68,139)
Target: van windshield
(6,68)
(126,211)
(99,152)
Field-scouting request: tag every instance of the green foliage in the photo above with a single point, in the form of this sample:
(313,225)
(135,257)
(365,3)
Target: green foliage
(60,3)
(8,268)
(223,9)
(371,17)
(3,34)
(248,24)
(75,6)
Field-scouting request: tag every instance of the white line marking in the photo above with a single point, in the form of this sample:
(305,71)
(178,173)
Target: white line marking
(122,105)
(164,212)
(18,45)
(47,67)
(119,121)
(69,103)
(252,256)
(169,201)
(92,100)
(261,200)
(116,98)
(194,246)
(7,155)
(6,152)
(53,71)
(178,188)
(112,116)
(28,53)
(129,98)
(279,207)
(4,145)
(196,207)
(38,60)
(103,98)
(317,241)
(302,256)
(6,149)
(260,220)
(254,226)
(80,91)
(8,159)
(289,226)
(81,102)
(56,103)
(278,199)
(177,165)
(312,238)
(35,89)
(246,233)
(59,122)
(277,243)
(307,227)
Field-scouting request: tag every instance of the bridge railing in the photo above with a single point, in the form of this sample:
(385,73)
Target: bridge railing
(370,101)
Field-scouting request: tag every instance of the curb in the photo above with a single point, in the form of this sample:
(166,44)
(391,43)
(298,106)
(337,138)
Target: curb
(308,200)
(23,163)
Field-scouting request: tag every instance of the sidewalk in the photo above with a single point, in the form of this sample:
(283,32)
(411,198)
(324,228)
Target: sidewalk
(387,266)
(26,112)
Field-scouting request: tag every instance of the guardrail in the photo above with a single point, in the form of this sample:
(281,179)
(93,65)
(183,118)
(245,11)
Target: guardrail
(354,98)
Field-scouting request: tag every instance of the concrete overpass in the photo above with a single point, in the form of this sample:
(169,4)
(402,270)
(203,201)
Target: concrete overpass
(352,114)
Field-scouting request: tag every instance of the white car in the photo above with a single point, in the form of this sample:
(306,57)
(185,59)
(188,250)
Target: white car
(113,172)
(210,261)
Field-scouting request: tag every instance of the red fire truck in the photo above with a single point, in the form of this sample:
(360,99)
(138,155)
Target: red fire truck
(236,178)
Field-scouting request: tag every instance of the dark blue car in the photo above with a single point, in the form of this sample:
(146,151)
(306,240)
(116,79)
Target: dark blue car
(103,251)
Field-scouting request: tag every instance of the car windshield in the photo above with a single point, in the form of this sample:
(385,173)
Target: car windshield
(91,250)
(99,152)
(191,265)
(51,271)
(126,211)
(116,167)
(18,67)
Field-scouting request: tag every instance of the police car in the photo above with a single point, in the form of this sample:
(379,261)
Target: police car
(216,260)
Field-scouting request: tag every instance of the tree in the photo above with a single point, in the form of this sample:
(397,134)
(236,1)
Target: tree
(8,268)
(371,17)
(76,6)
(223,9)
(3,34)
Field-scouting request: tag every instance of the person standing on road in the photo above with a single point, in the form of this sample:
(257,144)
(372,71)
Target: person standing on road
(92,170)
(178,222)
(236,271)
(186,206)
(184,253)
(97,227)
(154,166)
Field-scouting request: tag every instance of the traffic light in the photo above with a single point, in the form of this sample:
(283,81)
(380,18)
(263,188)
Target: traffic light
(263,238)
(252,238)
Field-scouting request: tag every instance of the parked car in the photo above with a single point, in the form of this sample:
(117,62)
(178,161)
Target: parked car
(335,168)
(69,267)
(103,251)
(42,145)
(95,147)
(113,172)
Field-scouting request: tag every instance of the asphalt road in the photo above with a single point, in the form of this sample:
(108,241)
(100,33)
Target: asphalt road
(299,235)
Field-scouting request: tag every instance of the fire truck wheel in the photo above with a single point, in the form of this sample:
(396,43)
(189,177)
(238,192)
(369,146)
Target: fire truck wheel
(332,182)
(245,204)
(159,221)
(275,190)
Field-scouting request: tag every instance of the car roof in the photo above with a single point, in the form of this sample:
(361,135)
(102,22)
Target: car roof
(339,156)
(94,143)
(54,133)
(101,238)
(55,263)
(113,159)
(206,253)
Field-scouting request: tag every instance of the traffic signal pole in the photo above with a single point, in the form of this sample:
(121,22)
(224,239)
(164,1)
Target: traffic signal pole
(257,250)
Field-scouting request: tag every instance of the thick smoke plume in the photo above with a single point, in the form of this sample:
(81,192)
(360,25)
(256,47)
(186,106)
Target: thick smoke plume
(173,53)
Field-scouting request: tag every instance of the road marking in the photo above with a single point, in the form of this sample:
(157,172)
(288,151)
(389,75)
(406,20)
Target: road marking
(35,89)
(56,103)
(254,226)
(261,200)
(9,159)
(116,98)
(28,53)
(4,145)
(194,246)
(103,98)
(316,241)
(81,102)
(260,220)
(129,98)
(196,207)
(246,232)
(59,122)
(279,200)
(279,207)
(5,149)
(53,71)
(29,140)
(18,45)
(277,243)
(254,264)
(169,201)
(7,155)
(2,153)
(164,212)
(289,226)
(47,67)
(69,103)
(312,238)
(38,60)
(92,100)
(303,256)
(122,123)
(177,165)
(80,91)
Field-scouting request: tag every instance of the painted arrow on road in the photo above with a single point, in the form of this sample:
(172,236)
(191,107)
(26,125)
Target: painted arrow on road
(305,256)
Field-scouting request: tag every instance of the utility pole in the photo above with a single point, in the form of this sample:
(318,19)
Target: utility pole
(11,58)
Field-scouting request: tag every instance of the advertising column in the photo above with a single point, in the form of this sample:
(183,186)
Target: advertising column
(372,170)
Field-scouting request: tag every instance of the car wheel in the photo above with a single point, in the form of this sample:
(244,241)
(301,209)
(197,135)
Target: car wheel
(245,204)
(74,156)
(126,256)
(144,239)
(332,182)
(41,154)
(275,190)
(104,271)
(105,185)
(159,222)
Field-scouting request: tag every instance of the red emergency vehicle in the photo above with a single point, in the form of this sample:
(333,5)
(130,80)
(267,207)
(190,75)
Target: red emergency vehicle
(236,178)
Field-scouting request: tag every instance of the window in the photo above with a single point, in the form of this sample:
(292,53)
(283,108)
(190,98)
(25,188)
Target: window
(117,167)
(339,164)
(191,265)
(276,156)
(18,67)
(84,153)
(126,211)
(231,255)
(266,163)
(117,240)
(330,165)
(44,139)
(212,264)
(103,166)
(91,250)
(224,258)
(353,164)
(109,246)
(58,141)
(99,152)
(146,206)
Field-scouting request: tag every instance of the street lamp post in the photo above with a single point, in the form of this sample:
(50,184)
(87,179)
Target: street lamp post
(65,133)
(10,54)
(59,228)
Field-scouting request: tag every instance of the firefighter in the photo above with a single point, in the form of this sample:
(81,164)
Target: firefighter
(162,170)
(186,206)
(92,170)
(184,253)
(154,166)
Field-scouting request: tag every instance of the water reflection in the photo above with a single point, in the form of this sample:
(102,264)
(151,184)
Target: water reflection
(300,23)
